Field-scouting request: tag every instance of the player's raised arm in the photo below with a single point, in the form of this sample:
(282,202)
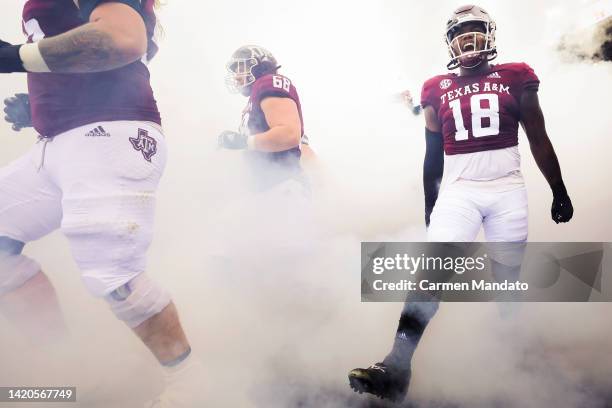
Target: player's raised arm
(532,121)
(115,36)
(433,165)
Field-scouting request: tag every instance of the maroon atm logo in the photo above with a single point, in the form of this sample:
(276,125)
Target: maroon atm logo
(144,144)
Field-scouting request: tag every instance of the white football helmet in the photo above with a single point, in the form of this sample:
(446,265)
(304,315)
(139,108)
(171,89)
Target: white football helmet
(248,63)
(470,49)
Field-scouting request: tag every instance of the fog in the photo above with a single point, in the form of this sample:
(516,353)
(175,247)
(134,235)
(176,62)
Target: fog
(274,312)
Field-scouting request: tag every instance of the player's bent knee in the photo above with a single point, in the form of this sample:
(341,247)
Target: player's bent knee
(15,269)
(138,300)
(108,253)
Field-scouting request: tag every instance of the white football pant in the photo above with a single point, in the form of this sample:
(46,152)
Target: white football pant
(499,206)
(97,183)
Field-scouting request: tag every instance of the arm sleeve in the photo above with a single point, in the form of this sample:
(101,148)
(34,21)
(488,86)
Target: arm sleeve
(433,169)
(87,7)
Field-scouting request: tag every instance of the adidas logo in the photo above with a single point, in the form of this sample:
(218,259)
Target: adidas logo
(98,132)
(494,75)
(402,336)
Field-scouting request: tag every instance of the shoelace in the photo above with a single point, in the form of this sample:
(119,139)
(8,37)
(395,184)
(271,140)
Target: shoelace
(378,367)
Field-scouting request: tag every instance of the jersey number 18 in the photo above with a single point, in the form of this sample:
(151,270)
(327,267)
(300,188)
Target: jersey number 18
(478,114)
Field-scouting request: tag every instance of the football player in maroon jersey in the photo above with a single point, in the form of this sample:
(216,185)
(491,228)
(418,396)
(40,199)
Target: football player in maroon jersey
(272,123)
(472,121)
(94,175)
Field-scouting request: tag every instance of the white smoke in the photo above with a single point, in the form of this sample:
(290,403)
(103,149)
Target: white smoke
(282,328)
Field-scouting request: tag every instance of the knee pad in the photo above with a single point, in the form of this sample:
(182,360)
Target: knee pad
(138,300)
(10,246)
(15,269)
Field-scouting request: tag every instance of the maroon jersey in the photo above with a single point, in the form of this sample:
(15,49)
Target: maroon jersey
(267,168)
(479,112)
(254,119)
(61,102)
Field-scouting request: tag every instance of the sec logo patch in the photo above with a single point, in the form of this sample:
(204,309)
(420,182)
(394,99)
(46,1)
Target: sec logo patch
(445,83)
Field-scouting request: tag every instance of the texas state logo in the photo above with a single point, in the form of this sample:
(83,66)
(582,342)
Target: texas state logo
(445,83)
(145,144)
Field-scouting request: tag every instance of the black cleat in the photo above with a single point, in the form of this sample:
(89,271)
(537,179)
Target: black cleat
(381,381)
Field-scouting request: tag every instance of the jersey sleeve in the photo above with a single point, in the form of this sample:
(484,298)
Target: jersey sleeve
(87,7)
(428,94)
(274,86)
(528,79)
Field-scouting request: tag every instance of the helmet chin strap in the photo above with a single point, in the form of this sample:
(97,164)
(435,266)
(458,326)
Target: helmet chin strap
(479,62)
(472,66)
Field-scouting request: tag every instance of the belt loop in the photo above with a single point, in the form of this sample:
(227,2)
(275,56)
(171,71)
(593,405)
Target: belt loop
(45,140)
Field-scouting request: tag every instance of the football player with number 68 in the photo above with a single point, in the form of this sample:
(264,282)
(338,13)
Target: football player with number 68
(272,125)
(472,158)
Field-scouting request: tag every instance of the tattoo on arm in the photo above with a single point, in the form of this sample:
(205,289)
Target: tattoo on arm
(81,50)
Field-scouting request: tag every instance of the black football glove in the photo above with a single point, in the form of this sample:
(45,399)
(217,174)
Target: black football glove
(562,209)
(229,139)
(10,61)
(17,109)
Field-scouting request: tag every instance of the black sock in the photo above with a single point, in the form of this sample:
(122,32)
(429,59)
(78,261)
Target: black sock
(413,321)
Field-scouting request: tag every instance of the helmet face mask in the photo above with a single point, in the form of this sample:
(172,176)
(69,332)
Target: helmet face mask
(240,74)
(470,37)
(248,63)
(469,49)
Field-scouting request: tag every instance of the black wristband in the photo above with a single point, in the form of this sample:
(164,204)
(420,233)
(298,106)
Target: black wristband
(10,61)
(559,190)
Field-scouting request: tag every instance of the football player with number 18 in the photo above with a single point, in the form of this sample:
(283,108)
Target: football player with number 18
(472,158)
